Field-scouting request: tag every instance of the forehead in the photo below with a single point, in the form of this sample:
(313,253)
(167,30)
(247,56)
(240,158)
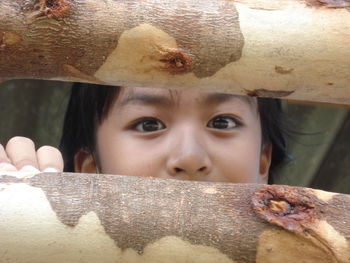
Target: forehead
(167,97)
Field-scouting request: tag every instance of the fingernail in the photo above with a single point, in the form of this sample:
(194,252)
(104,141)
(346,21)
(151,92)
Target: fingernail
(28,168)
(50,170)
(7,167)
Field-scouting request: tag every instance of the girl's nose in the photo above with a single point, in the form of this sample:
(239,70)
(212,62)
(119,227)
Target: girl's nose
(188,157)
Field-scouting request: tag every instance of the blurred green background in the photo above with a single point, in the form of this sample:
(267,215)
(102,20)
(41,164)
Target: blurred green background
(320,154)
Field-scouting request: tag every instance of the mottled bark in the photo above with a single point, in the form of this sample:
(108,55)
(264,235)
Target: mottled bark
(106,218)
(298,49)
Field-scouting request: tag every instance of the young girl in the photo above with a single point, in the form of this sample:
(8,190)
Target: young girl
(179,134)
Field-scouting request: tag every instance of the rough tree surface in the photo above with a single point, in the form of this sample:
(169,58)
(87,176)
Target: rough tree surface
(109,218)
(297,49)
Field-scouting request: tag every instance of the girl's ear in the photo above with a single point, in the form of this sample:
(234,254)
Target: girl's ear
(265,161)
(84,162)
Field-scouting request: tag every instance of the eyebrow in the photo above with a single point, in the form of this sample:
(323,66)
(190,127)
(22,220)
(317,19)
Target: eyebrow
(148,99)
(166,101)
(217,98)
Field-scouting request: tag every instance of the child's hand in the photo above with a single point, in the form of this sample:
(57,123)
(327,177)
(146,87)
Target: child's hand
(20,155)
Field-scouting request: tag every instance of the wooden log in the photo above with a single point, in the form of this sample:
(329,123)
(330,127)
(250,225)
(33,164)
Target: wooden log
(109,218)
(297,49)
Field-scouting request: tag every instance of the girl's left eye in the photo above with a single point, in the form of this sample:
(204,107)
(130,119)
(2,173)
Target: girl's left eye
(149,125)
(223,123)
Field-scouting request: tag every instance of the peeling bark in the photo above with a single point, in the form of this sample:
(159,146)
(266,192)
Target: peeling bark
(227,46)
(106,218)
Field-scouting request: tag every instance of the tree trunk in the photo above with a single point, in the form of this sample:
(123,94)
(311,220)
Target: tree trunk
(298,49)
(105,218)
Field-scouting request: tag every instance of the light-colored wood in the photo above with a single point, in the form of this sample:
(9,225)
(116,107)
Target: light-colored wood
(296,49)
(108,218)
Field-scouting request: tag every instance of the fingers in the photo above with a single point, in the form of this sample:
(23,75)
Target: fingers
(49,159)
(5,162)
(22,154)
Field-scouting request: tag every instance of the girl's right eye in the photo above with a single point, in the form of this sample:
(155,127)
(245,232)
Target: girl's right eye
(149,125)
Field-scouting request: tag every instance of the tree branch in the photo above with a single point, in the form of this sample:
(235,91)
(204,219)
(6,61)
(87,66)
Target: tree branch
(296,49)
(106,218)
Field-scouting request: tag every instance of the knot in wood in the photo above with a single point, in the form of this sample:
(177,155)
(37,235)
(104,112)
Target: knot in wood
(291,208)
(56,8)
(176,61)
(49,9)
(279,206)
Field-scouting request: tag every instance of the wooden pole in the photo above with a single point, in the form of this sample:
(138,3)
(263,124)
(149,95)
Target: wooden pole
(296,49)
(292,49)
(108,218)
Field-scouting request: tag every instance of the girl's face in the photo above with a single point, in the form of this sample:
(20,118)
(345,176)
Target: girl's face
(187,135)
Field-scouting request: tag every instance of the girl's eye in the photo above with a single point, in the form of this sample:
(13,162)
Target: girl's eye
(223,123)
(149,125)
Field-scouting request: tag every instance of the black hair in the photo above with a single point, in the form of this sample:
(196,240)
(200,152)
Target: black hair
(87,106)
(89,103)
(273,130)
